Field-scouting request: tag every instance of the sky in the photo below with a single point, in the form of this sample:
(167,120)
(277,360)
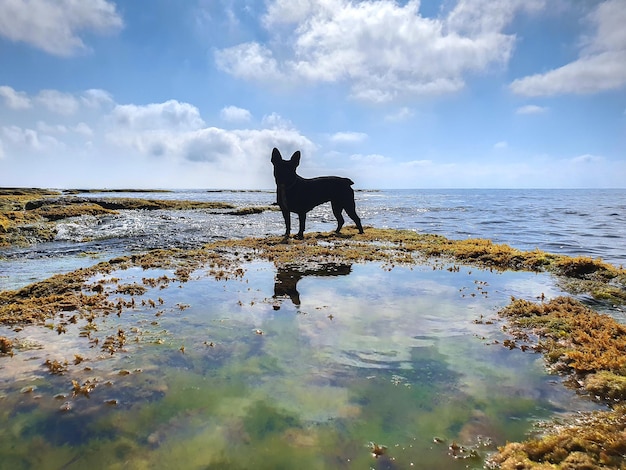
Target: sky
(393,94)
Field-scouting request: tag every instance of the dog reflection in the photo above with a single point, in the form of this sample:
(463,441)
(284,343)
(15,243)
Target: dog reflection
(287,278)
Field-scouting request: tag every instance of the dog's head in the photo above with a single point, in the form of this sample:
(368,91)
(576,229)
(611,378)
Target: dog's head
(285,170)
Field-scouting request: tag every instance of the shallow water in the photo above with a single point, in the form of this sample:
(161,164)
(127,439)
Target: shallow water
(282,369)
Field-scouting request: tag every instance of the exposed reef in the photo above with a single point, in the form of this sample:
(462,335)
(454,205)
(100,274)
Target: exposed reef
(27,215)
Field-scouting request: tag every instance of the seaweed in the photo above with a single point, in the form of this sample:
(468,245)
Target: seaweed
(6,345)
(585,441)
(574,339)
(589,347)
(263,419)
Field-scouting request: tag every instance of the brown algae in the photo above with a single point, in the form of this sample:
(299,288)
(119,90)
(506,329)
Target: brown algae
(6,345)
(584,441)
(575,340)
(591,348)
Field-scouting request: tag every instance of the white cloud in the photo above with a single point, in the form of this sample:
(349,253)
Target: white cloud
(168,115)
(250,61)
(28,139)
(403,114)
(54,25)
(239,157)
(83,129)
(592,74)
(58,102)
(371,159)
(234,114)
(80,128)
(501,145)
(18,136)
(55,100)
(95,98)
(382,49)
(170,137)
(51,128)
(478,17)
(531,109)
(240,147)
(609,18)
(289,11)
(276,121)
(601,64)
(174,132)
(587,159)
(348,137)
(15,99)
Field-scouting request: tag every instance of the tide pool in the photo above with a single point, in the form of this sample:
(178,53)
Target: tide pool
(325,366)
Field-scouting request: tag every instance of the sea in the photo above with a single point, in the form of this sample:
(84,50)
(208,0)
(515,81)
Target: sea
(575,222)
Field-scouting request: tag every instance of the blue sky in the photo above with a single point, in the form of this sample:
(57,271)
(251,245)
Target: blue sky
(394,94)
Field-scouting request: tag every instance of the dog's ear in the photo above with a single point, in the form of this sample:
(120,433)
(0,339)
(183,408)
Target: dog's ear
(295,158)
(276,157)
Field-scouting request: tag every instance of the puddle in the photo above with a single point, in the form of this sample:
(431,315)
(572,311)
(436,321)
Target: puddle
(332,366)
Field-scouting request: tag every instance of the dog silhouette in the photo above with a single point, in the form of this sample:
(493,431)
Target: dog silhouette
(299,195)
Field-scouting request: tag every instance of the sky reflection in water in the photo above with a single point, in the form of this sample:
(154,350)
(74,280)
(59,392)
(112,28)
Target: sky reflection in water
(303,366)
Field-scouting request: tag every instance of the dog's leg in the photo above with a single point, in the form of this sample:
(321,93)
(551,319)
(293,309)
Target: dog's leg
(337,209)
(281,199)
(287,217)
(351,211)
(302,220)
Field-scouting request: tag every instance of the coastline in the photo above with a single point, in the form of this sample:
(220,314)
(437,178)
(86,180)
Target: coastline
(63,297)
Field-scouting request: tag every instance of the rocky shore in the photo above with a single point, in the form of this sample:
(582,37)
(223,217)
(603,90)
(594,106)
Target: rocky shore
(27,216)
(576,341)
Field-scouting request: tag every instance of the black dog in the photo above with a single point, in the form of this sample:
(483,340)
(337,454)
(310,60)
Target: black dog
(300,195)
